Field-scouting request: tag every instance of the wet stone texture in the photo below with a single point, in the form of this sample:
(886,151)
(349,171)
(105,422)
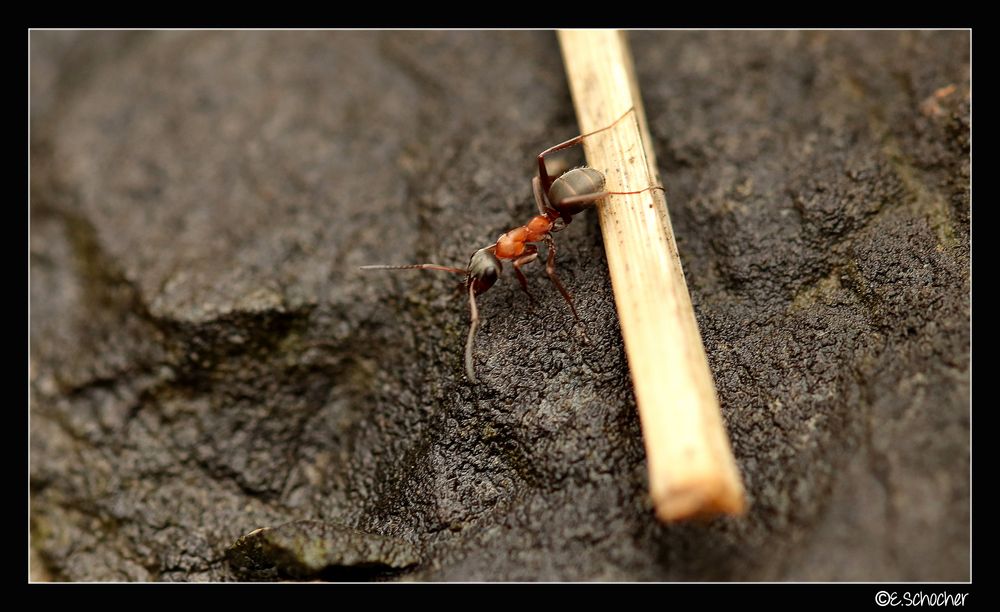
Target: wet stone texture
(208,360)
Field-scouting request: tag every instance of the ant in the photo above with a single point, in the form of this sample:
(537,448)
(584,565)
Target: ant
(558,199)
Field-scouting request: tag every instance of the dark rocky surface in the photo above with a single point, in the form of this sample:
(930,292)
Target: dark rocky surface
(207,359)
(305,550)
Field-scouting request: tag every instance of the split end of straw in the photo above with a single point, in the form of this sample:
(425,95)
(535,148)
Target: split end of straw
(698,497)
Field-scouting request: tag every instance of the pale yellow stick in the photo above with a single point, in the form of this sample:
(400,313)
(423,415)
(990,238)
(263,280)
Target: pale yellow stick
(691,467)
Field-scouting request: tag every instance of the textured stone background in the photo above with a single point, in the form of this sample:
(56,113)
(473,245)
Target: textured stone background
(206,358)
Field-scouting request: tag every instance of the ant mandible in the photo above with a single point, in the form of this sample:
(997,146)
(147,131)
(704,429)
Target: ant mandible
(558,199)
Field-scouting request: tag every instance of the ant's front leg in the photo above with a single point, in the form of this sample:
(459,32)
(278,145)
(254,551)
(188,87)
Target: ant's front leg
(530,255)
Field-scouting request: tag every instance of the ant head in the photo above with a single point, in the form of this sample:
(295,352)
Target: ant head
(484,270)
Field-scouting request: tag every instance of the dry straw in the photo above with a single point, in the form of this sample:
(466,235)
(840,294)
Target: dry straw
(691,467)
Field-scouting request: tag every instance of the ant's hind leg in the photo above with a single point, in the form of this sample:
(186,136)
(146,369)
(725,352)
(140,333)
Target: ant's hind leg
(540,200)
(573,205)
(543,172)
(576,204)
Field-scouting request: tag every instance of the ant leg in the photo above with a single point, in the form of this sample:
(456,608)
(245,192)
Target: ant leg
(544,208)
(567,207)
(550,269)
(470,367)
(530,255)
(540,199)
(576,204)
(543,172)
(587,199)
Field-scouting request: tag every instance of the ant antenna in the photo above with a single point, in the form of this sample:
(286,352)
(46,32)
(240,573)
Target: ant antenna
(418,267)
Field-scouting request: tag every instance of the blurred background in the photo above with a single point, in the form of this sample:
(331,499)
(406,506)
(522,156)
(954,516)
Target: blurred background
(206,358)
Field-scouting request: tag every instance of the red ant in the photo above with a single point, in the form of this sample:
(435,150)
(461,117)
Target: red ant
(558,198)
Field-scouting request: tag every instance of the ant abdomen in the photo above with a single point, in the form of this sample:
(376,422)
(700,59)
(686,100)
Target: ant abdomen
(575,182)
